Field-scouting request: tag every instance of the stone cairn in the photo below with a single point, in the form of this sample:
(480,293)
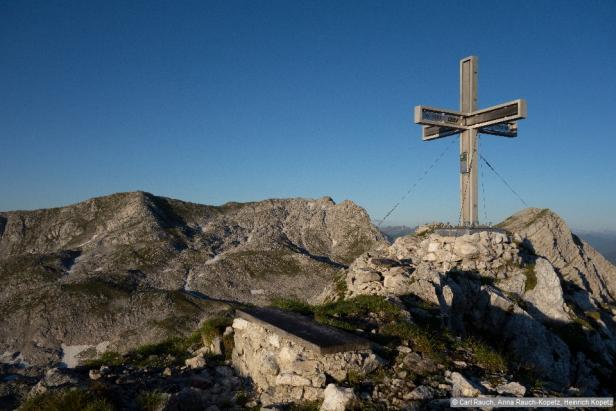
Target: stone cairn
(404,267)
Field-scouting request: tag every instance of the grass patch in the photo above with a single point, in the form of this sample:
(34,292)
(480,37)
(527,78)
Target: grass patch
(172,351)
(595,315)
(348,314)
(360,306)
(422,340)
(109,358)
(169,352)
(485,356)
(289,304)
(214,327)
(305,406)
(340,286)
(531,277)
(150,400)
(66,400)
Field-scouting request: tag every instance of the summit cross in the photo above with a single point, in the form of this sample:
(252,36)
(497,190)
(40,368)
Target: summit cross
(499,120)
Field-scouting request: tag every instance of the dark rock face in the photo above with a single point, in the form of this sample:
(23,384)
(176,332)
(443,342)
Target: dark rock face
(130,268)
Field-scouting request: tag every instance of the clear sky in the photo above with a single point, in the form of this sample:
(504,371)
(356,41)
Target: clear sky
(245,100)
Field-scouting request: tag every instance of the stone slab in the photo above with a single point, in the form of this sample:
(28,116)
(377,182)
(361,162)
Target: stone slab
(460,231)
(304,331)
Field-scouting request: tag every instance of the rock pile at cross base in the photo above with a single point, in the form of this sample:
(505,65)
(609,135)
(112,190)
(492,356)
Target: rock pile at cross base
(527,311)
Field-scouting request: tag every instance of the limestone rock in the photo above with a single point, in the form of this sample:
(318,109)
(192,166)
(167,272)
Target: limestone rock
(573,258)
(94,374)
(293,379)
(512,388)
(105,268)
(546,298)
(462,387)
(337,398)
(195,362)
(465,249)
(421,393)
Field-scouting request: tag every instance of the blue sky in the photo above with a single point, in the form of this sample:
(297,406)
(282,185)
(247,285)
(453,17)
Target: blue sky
(245,100)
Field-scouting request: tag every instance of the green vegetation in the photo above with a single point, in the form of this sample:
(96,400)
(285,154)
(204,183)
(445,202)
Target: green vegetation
(66,400)
(595,315)
(340,286)
(289,304)
(531,277)
(485,356)
(150,400)
(172,351)
(214,327)
(544,212)
(109,358)
(305,406)
(262,264)
(422,339)
(347,314)
(354,378)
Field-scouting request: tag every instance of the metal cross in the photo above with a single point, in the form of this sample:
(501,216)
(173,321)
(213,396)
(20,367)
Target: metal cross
(498,120)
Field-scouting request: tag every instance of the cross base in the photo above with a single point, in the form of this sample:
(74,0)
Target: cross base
(460,231)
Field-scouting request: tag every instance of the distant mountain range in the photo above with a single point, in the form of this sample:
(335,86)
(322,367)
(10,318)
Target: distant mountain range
(395,231)
(603,241)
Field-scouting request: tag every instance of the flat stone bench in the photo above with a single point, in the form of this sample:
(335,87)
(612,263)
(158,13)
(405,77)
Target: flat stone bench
(290,357)
(304,331)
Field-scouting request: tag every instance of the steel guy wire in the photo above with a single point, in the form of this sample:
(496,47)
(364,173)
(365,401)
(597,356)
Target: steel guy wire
(503,180)
(421,177)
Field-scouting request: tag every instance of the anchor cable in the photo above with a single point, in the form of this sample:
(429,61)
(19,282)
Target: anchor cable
(503,180)
(421,177)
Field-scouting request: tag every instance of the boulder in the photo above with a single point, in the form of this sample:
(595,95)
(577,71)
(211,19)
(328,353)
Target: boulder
(422,392)
(465,249)
(337,398)
(94,375)
(195,362)
(462,387)
(513,388)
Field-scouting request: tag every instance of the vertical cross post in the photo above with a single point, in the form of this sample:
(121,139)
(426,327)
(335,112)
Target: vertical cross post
(468,143)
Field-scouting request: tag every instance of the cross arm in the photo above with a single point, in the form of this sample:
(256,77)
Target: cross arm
(430,116)
(506,112)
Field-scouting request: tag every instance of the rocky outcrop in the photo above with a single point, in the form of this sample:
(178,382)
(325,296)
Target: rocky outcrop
(130,268)
(501,284)
(577,262)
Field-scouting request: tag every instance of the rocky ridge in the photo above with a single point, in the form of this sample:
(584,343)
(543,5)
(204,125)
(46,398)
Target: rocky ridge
(115,272)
